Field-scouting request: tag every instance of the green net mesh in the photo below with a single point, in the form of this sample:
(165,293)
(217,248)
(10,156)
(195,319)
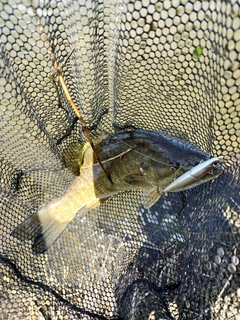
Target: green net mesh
(167,66)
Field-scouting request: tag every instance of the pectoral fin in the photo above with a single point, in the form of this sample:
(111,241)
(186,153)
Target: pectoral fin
(150,197)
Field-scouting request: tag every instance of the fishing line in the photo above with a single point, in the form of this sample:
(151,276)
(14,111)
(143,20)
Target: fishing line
(131,148)
(195,146)
(134,147)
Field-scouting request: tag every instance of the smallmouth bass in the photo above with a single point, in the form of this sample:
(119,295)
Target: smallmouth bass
(137,159)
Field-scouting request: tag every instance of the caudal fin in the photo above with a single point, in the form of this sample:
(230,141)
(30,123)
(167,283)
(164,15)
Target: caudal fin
(42,227)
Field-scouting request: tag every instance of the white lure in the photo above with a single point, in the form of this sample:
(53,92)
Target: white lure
(192,178)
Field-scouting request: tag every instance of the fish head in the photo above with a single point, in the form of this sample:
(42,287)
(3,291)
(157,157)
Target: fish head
(158,172)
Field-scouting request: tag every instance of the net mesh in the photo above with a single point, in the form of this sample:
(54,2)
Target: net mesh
(167,66)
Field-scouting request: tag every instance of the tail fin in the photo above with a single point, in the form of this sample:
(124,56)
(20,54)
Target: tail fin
(43,227)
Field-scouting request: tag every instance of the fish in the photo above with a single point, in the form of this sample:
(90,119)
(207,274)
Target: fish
(135,160)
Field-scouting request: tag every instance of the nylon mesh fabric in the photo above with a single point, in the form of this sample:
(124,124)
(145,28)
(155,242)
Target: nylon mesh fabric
(167,66)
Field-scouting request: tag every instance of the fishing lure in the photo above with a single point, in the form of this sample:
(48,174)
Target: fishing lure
(193,177)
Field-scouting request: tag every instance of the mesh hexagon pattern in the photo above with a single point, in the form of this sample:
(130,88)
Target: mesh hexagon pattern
(166,66)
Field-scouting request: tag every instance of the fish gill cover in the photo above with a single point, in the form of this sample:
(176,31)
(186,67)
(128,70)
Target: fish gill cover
(165,66)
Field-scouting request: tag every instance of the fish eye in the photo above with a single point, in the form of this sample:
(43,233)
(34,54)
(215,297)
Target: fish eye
(215,164)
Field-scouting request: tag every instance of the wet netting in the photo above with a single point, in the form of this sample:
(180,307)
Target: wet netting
(166,66)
